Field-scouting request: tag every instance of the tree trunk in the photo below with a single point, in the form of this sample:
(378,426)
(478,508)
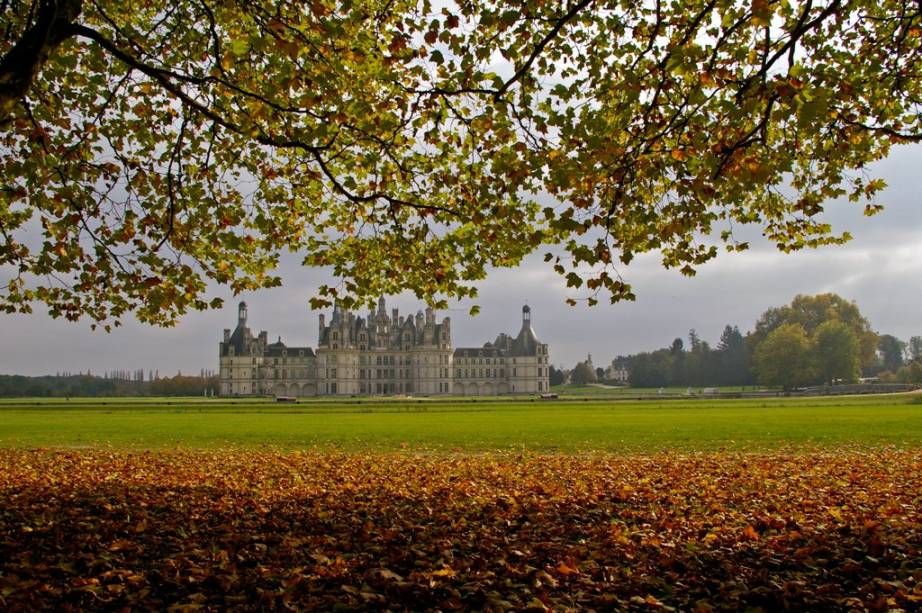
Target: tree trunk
(23,61)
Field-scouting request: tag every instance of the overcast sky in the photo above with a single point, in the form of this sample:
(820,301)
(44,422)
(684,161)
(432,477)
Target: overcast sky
(881,270)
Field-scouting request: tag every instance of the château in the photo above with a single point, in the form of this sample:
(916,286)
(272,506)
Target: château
(382,354)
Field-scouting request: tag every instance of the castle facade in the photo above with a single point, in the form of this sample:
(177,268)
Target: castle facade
(382,354)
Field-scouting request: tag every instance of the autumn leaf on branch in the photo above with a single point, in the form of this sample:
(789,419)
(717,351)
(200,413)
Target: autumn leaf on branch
(194,142)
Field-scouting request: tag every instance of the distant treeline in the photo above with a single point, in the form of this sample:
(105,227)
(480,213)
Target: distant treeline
(60,386)
(815,340)
(696,365)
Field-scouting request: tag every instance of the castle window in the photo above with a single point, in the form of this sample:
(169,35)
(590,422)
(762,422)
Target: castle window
(361,347)
(335,336)
(335,346)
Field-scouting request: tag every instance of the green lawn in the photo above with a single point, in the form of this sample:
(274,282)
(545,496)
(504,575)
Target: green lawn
(456,425)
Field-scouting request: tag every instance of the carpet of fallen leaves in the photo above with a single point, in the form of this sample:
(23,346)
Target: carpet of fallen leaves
(250,530)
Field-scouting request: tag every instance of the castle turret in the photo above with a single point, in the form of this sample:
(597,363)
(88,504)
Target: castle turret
(242,315)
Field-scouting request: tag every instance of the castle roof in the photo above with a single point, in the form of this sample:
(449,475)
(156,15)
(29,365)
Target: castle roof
(275,350)
(237,340)
(478,352)
(526,343)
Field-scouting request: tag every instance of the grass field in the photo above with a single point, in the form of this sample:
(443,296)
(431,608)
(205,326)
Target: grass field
(459,425)
(575,389)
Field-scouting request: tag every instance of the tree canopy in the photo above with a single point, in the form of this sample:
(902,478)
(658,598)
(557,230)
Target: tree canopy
(784,357)
(891,351)
(151,148)
(836,352)
(583,373)
(811,312)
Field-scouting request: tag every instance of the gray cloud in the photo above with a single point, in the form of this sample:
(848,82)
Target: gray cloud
(880,269)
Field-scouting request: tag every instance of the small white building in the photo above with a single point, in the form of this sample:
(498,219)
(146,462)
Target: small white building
(617,371)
